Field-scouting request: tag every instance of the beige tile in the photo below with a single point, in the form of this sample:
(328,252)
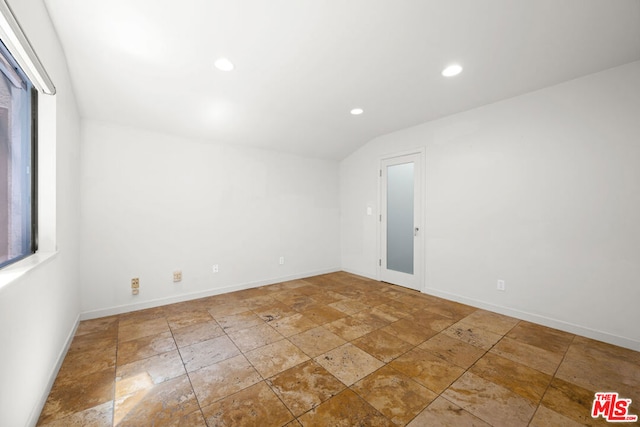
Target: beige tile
(77,364)
(427,369)
(143,328)
(349,328)
(97,416)
(292,325)
(188,318)
(571,401)
(305,386)
(409,331)
(255,337)
(492,322)
(208,352)
(540,336)
(72,395)
(225,309)
(348,363)
(431,320)
(525,381)
(382,345)
(473,335)
(322,314)
(545,417)
(221,379)
(453,350)
(95,341)
(276,357)
(316,341)
(489,401)
(144,374)
(528,355)
(349,306)
(345,409)
(164,403)
(197,333)
(274,312)
(237,322)
(104,324)
(256,405)
(394,394)
(442,413)
(141,348)
(453,310)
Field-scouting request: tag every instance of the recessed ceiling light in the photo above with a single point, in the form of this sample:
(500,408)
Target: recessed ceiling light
(223,64)
(357,111)
(452,70)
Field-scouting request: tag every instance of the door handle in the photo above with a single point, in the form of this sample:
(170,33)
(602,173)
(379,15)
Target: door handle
(415,231)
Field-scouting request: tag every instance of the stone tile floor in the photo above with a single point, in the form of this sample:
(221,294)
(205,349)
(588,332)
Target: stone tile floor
(332,350)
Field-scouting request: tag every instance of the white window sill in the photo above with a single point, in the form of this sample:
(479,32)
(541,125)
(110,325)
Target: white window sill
(16,270)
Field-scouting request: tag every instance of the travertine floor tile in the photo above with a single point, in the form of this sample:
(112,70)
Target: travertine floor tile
(237,322)
(276,357)
(442,413)
(349,306)
(490,402)
(144,374)
(144,328)
(254,406)
(188,318)
(382,345)
(97,416)
(322,314)
(197,333)
(394,394)
(103,324)
(348,363)
(431,320)
(345,409)
(409,331)
(274,312)
(453,350)
(545,417)
(292,325)
(208,352)
(525,381)
(427,369)
(141,348)
(492,322)
(77,394)
(305,386)
(571,401)
(162,404)
(316,341)
(255,337)
(528,355)
(473,335)
(540,336)
(221,379)
(349,328)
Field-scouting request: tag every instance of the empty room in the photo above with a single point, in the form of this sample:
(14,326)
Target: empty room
(319,213)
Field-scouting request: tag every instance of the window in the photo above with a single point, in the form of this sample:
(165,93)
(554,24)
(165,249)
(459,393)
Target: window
(18,201)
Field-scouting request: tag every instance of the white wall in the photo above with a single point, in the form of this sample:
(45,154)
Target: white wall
(153,203)
(39,310)
(542,191)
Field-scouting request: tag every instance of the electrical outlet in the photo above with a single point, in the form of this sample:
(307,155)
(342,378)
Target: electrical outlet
(135,283)
(501,285)
(177,276)
(281,260)
(135,291)
(215,268)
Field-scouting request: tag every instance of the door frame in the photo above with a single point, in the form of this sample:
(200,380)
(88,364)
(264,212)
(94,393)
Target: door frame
(419,264)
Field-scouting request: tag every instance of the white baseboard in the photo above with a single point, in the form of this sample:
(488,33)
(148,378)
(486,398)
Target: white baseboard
(94,314)
(37,410)
(541,320)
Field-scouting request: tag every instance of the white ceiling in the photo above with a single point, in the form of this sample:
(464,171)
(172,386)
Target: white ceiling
(301,65)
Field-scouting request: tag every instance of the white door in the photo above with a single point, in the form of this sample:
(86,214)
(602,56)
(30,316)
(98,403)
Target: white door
(401,240)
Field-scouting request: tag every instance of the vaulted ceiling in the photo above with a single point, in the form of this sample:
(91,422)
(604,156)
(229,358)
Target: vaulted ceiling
(302,65)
